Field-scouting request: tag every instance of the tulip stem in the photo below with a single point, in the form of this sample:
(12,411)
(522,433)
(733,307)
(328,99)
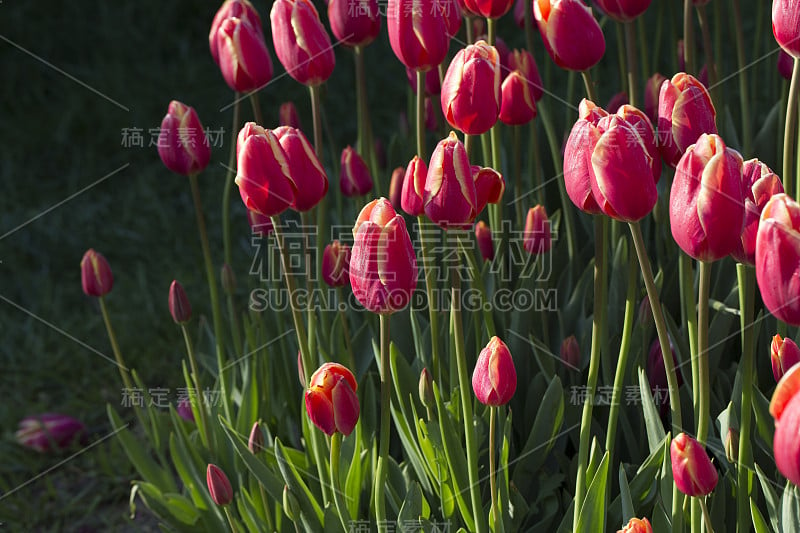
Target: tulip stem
(689,318)
(688,37)
(702,351)
(746,279)
(790,128)
(477,280)
(234,529)
(600,237)
(341,508)
(345,329)
(591,93)
(204,435)
(311,273)
(425,232)
(517,148)
(666,354)
(495,510)
(706,516)
(383,443)
(212,287)
(421,115)
(316,113)
(226,215)
(630,48)
(254,103)
(365,148)
(744,96)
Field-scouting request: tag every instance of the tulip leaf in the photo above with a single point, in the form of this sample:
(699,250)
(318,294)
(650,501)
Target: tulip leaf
(247,507)
(771,497)
(155,501)
(759,524)
(655,431)
(765,142)
(625,497)
(790,509)
(765,425)
(354,480)
(594,461)
(414,509)
(266,477)
(542,437)
(642,488)
(592,516)
(309,507)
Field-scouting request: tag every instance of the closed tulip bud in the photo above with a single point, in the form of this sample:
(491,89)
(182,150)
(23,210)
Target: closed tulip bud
(426,389)
(657,373)
(471,89)
(731,445)
(418,32)
(483,236)
(636,118)
(489,186)
(355,178)
(331,401)
(433,84)
(536,240)
(301,42)
(96,277)
(760,184)
(519,13)
(706,209)
(383,267)
(411,199)
(623,10)
(490,9)
(256,441)
(184,409)
(571,34)
(520,89)
(617,101)
(263,173)
(494,380)
(651,91)
(784,354)
(243,56)
(288,116)
(259,224)
(577,157)
(305,170)
(182,142)
(228,279)
(450,198)
(685,112)
(179,306)
(786,25)
(636,525)
(218,485)
(570,352)
(778,258)
(49,432)
(453,13)
(354,22)
(240,9)
(785,65)
(691,467)
(336,264)
(431,123)
(396,187)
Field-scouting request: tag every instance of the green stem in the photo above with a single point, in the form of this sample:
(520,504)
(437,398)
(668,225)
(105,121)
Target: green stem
(621,55)
(517,149)
(475,275)
(311,315)
(688,37)
(600,237)
(203,426)
(254,103)
(528,17)
(316,114)
(228,515)
(666,354)
(630,48)
(640,34)
(465,390)
(689,318)
(702,351)
(709,54)
(706,515)
(267,510)
(345,329)
(746,279)
(426,230)
(341,508)
(234,320)
(226,192)
(491,31)
(591,92)
(383,443)
(495,509)
(212,286)
(420,124)
(744,96)
(535,164)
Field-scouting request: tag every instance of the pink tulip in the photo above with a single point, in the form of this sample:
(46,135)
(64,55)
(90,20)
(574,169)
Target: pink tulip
(785,408)
(618,100)
(263,172)
(577,157)
(636,525)
(784,355)
(301,42)
(418,32)
(483,236)
(219,486)
(354,22)
(520,89)
(691,467)
(706,209)
(182,142)
(288,116)
(240,9)
(471,89)
(355,178)
(490,9)
(571,34)
(760,184)
(489,187)
(411,199)
(184,409)
(336,264)
(331,400)
(636,118)
(383,267)
(623,10)
(49,432)
(786,25)
(96,277)
(450,199)
(685,112)
(651,92)
(537,238)
(778,258)
(494,380)
(305,170)
(396,187)
(570,352)
(243,56)
(179,306)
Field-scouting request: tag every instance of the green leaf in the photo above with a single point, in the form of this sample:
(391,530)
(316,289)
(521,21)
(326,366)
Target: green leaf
(181,508)
(771,497)
(414,508)
(309,507)
(592,516)
(759,524)
(271,482)
(655,431)
(353,482)
(542,437)
(790,509)
(625,496)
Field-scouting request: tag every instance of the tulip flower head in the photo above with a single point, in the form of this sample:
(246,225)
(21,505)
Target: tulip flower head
(537,238)
(685,112)
(218,485)
(396,187)
(243,56)
(240,9)
(418,32)
(355,178)
(786,25)
(623,10)
(494,380)
(182,142)
(760,184)
(96,276)
(571,34)
(263,174)
(785,65)
(426,395)
(301,42)
(784,355)
(637,525)
(255,443)
(49,432)
(288,116)
(651,93)
(179,306)
(305,170)
(778,258)
(184,409)
(471,89)
(331,400)
(692,470)
(336,264)
(414,187)
(354,22)
(785,409)
(570,352)
(520,89)
(483,236)
(490,9)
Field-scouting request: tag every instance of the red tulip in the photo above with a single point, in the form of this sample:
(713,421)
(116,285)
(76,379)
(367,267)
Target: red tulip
(396,187)
(785,408)
(305,170)
(483,236)
(489,187)
(301,42)
(336,264)
(490,9)
(179,306)
(623,10)
(96,276)
(355,179)
(520,90)
(418,32)
(354,22)
(494,380)
(243,56)
(685,112)
(383,267)
(636,525)
(786,25)
(452,12)
(331,400)
(218,485)
(414,187)
(618,100)
(471,89)
(784,355)
(706,208)
(450,199)
(651,92)
(778,258)
(240,9)
(577,157)
(255,443)
(288,116)
(537,240)
(571,34)
(570,352)
(263,172)
(182,142)
(426,394)
(184,409)
(760,184)
(49,432)
(691,467)
(636,118)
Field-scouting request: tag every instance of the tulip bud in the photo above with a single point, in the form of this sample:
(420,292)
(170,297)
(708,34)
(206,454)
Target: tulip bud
(383,267)
(305,170)
(520,90)
(288,116)
(706,209)
(263,172)
(259,224)
(354,22)
(301,42)
(577,157)
(623,10)
(450,198)
(179,306)
(685,112)
(618,100)
(228,279)
(331,401)
(536,239)
(256,441)
(414,187)
(418,32)
(49,432)
(483,236)
(651,92)
(182,142)
(490,9)
(426,389)
(218,485)
(240,9)
(657,373)
(243,56)
(785,65)
(494,379)
(571,34)
(785,354)
(519,13)
(759,184)
(786,25)
(336,264)
(433,84)
(778,258)
(96,276)
(636,525)
(691,467)
(732,446)
(471,89)
(355,178)
(396,187)
(570,352)
(489,187)
(184,409)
